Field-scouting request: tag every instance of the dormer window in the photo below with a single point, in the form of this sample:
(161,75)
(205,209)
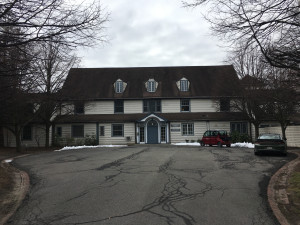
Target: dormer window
(183,84)
(151,85)
(119,86)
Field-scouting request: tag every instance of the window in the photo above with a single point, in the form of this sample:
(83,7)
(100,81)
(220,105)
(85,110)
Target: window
(119,87)
(58,131)
(102,132)
(79,108)
(151,85)
(77,131)
(152,105)
(117,130)
(184,85)
(142,134)
(27,133)
(163,134)
(224,104)
(185,105)
(240,127)
(187,129)
(119,106)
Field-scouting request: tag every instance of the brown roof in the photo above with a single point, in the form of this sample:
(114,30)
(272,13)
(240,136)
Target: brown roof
(97,83)
(119,118)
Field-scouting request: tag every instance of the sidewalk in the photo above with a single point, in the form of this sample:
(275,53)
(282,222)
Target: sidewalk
(281,198)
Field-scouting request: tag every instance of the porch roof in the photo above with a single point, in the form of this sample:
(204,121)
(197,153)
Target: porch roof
(172,117)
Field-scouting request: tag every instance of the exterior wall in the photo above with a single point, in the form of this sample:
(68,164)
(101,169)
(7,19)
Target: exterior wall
(292,134)
(67,139)
(99,107)
(170,105)
(91,130)
(38,137)
(199,129)
(107,139)
(203,105)
(133,106)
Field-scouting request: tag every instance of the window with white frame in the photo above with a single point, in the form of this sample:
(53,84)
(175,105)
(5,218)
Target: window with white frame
(184,85)
(151,85)
(187,129)
(119,86)
(185,105)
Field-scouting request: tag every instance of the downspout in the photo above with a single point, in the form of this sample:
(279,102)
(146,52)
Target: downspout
(97,132)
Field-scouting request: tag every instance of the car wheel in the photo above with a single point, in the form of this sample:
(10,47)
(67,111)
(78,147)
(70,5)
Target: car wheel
(219,144)
(228,145)
(210,145)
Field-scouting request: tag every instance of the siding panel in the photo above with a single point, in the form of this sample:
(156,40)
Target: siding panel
(170,105)
(203,105)
(135,106)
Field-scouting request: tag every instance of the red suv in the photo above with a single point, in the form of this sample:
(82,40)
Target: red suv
(215,137)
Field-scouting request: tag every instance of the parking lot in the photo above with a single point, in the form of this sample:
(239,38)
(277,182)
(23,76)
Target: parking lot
(148,184)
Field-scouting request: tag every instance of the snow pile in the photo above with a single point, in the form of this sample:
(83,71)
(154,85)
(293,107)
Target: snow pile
(84,146)
(243,145)
(8,160)
(190,144)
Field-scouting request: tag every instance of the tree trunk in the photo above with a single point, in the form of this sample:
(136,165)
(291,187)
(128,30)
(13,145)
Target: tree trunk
(256,126)
(283,129)
(18,138)
(47,144)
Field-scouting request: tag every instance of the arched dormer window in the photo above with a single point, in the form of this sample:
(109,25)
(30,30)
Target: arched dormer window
(183,84)
(120,86)
(151,85)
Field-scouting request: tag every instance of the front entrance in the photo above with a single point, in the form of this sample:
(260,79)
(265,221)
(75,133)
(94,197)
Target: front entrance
(152,132)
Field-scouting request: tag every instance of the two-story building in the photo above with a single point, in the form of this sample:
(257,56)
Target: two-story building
(149,104)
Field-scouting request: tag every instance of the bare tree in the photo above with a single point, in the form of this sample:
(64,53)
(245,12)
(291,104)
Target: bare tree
(283,100)
(79,24)
(52,66)
(251,70)
(272,25)
(17,108)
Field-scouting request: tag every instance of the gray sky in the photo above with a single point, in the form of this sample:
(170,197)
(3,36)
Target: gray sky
(154,33)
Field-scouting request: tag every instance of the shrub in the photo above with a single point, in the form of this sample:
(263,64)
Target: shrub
(90,140)
(238,137)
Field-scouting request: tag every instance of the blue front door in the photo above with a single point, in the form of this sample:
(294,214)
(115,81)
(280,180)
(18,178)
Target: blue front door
(152,132)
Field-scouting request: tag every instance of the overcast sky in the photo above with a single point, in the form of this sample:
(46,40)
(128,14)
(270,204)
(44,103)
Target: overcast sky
(154,33)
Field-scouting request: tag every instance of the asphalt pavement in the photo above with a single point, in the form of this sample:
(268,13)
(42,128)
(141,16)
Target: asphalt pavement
(148,184)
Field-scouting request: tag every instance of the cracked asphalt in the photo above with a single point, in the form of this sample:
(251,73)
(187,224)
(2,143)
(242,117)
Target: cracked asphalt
(148,184)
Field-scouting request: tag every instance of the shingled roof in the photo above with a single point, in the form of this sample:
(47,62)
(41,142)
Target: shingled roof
(97,83)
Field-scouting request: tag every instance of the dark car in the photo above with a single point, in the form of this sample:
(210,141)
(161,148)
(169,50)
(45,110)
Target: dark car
(215,137)
(270,143)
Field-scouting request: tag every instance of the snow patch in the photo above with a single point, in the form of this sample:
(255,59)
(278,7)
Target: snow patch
(187,144)
(243,145)
(8,160)
(88,147)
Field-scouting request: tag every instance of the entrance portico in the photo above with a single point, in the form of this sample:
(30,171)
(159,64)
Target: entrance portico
(152,129)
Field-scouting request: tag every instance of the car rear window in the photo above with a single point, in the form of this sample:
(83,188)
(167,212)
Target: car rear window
(269,136)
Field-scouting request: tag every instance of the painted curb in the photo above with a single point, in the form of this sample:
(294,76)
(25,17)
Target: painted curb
(20,190)
(279,196)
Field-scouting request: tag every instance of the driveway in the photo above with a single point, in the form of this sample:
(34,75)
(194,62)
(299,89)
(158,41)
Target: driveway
(148,184)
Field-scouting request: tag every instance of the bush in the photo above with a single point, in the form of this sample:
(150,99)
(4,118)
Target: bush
(238,137)
(90,140)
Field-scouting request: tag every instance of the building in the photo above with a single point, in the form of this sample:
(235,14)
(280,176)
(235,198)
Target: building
(148,105)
